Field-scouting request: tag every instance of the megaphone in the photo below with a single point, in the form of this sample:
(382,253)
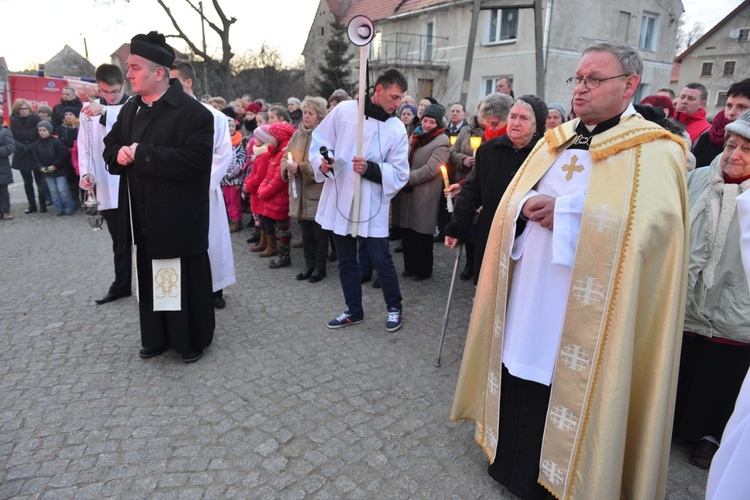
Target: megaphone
(360,30)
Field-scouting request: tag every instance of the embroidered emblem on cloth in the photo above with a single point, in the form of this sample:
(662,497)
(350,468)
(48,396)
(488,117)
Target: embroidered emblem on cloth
(572,167)
(604,218)
(552,471)
(563,418)
(588,290)
(575,357)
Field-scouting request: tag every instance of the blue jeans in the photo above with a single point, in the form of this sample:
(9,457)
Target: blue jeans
(349,274)
(60,193)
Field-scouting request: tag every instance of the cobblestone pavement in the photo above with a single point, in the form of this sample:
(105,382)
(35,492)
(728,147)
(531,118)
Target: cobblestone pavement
(279,406)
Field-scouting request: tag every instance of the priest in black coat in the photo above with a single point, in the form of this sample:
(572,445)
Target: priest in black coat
(162,144)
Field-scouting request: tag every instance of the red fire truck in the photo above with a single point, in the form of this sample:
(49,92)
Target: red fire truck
(41,90)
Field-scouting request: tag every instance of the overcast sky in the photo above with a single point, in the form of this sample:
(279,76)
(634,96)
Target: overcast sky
(35,30)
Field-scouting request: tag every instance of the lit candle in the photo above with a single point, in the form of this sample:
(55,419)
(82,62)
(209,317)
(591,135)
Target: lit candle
(291,177)
(448,197)
(445,176)
(475,141)
(452,139)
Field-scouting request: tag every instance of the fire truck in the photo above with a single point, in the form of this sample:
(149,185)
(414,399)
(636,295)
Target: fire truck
(40,90)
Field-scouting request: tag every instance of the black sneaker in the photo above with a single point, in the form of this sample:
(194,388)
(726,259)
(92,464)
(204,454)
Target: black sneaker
(192,356)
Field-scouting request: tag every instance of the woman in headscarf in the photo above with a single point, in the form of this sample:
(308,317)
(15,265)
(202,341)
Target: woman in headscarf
(497,161)
(416,212)
(490,122)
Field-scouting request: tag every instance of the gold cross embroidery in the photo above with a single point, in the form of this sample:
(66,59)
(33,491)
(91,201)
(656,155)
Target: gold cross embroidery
(572,168)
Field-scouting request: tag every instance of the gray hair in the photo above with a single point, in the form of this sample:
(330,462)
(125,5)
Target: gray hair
(317,104)
(631,62)
(496,104)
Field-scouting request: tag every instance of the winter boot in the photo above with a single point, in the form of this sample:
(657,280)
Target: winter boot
(235,225)
(262,243)
(284,259)
(271,249)
(255,238)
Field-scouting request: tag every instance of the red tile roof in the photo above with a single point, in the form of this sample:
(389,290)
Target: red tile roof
(378,9)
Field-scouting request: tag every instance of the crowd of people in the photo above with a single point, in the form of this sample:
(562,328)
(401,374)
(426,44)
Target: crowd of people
(558,213)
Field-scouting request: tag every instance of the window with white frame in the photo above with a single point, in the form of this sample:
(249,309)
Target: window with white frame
(428,41)
(707,69)
(503,25)
(649,31)
(644,89)
(729,68)
(744,35)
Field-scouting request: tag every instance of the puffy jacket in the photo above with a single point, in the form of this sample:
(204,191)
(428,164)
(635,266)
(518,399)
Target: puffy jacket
(273,190)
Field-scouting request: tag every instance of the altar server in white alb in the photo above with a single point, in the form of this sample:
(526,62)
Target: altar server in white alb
(384,170)
(97,118)
(219,240)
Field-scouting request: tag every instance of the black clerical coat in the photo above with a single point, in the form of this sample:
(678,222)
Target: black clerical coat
(170,176)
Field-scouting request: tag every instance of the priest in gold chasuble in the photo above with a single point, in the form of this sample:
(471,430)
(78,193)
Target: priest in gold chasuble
(570,364)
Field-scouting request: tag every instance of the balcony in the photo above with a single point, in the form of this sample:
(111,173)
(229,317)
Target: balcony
(409,50)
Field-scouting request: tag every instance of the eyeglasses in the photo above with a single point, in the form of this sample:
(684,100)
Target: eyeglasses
(590,82)
(113,92)
(24,108)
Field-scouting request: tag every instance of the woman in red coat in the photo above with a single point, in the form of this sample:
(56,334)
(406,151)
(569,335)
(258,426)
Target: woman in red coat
(274,194)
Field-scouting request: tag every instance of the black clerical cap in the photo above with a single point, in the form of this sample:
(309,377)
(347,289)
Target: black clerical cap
(153,47)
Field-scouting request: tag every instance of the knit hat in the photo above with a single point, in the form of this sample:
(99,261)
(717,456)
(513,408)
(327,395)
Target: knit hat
(253,107)
(556,106)
(435,111)
(281,131)
(45,124)
(540,112)
(410,108)
(71,109)
(741,126)
(153,47)
(295,101)
(261,134)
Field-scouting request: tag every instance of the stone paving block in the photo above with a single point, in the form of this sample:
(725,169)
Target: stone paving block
(275,409)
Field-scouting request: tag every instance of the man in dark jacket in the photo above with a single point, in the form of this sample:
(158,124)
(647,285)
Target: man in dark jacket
(68,100)
(162,145)
(711,142)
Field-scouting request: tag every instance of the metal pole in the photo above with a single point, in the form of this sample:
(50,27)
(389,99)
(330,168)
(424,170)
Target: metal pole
(470,51)
(360,133)
(448,305)
(539,42)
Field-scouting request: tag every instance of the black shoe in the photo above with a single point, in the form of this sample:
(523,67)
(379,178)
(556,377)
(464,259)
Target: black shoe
(30,210)
(467,273)
(110,297)
(703,454)
(254,238)
(150,352)
(376,283)
(399,249)
(192,356)
(332,257)
(417,277)
(305,274)
(219,303)
(438,238)
(43,210)
(317,276)
(407,274)
(365,278)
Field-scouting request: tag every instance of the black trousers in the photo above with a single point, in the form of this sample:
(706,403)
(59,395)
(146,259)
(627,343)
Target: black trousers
(191,328)
(29,177)
(123,257)
(523,412)
(418,257)
(314,244)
